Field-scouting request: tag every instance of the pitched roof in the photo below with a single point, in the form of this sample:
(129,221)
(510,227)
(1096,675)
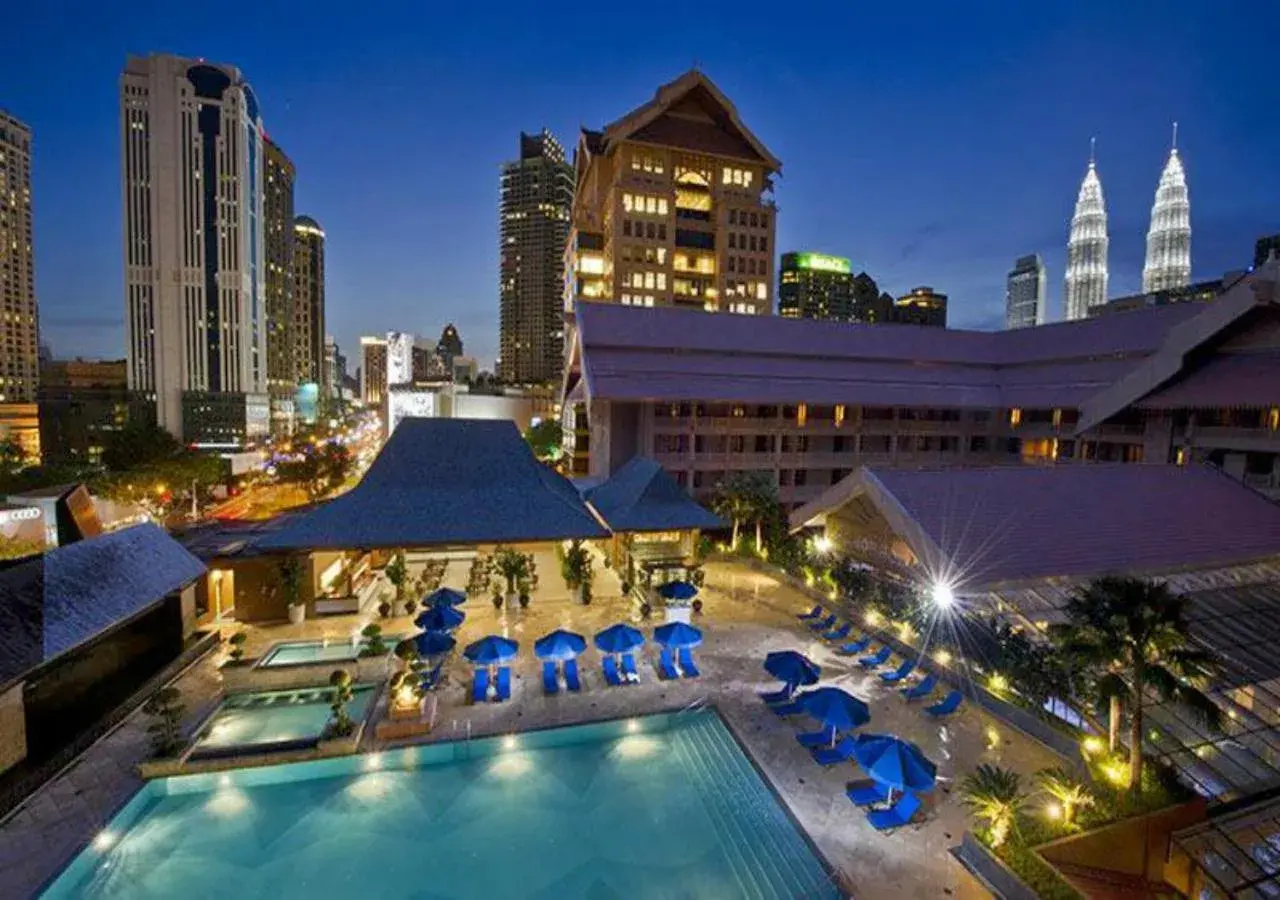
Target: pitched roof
(641,496)
(984,526)
(446,481)
(1225,381)
(74,592)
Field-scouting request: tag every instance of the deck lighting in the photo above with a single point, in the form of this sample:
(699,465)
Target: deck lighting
(509,742)
(1116,773)
(942,657)
(942,595)
(1053,811)
(998,682)
(633,726)
(103,840)
(1091,746)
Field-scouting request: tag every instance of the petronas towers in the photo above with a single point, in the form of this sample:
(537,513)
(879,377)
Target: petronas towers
(1168,263)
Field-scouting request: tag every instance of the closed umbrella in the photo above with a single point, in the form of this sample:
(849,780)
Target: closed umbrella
(620,638)
(678,590)
(440,618)
(792,668)
(559,644)
(491,650)
(677,634)
(444,597)
(433,643)
(895,763)
(838,710)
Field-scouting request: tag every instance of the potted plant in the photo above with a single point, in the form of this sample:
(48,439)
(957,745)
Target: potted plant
(398,574)
(525,589)
(575,568)
(374,644)
(697,607)
(289,571)
(340,725)
(237,646)
(645,610)
(165,709)
(497,600)
(512,566)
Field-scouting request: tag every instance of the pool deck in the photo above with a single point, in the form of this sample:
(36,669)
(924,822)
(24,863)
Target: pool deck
(745,615)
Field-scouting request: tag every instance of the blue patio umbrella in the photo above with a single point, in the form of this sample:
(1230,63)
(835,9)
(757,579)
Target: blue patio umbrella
(894,762)
(559,644)
(439,618)
(838,710)
(433,643)
(677,634)
(678,590)
(792,668)
(490,650)
(619,638)
(444,597)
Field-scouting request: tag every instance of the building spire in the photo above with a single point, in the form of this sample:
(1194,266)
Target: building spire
(1093,149)
(1175,136)
(1168,263)
(1086,285)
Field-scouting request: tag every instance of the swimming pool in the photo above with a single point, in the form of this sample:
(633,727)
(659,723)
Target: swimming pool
(247,723)
(301,653)
(659,807)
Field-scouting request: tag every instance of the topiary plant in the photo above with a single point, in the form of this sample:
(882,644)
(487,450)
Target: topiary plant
(340,725)
(237,645)
(165,709)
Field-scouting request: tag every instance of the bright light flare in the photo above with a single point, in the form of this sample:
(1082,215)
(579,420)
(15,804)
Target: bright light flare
(942,595)
(822,544)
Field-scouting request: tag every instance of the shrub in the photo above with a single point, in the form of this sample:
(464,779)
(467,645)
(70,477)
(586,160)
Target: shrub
(237,645)
(165,709)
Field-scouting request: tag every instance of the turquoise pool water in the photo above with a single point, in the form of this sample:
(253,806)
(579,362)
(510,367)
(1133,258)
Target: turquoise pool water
(659,807)
(299,653)
(245,722)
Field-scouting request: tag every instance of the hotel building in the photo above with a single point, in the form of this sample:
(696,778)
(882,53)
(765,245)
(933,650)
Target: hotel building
(277,218)
(673,207)
(19,327)
(811,401)
(373,371)
(922,306)
(192,173)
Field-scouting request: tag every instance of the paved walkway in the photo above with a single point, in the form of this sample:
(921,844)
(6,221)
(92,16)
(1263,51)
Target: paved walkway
(745,616)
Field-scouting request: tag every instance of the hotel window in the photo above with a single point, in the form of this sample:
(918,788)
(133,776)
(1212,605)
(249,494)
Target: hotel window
(662,251)
(739,412)
(649,280)
(755,220)
(1015,417)
(764,245)
(839,414)
(764,221)
(662,232)
(649,230)
(732,267)
(802,415)
(784,477)
(733,245)
(662,281)
(733,217)
(802,477)
(978,444)
(764,443)
(737,444)
(762,291)
(1057,418)
(626,227)
(1273,419)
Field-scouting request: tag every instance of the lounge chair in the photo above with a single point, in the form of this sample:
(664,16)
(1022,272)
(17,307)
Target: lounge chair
(895,816)
(610,666)
(817,738)
(629,668)
(550,677)
(791,708)
(852,647)
(922,688)
(781,696)
(814,613)
(432,678)
(504,684)
(829,756)
(687,666)
(899,673)
(876,659)
(667,665)
(839,634)
(571,680)
(947,706)
(823,624)
(868,794)
(480,687)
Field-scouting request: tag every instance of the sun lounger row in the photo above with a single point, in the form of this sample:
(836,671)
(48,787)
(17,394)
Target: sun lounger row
(551,676)
(501,685)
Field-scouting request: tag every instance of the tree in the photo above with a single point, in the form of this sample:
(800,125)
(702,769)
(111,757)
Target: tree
(137,445)
(1134,634)
(12,457)
(995,796)
(1062,785)
(398,573)
(744,497)
(341,724)
(319,470)
(546,439)
(290,570)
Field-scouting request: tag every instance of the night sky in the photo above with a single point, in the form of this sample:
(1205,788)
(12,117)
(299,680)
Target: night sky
(932,142)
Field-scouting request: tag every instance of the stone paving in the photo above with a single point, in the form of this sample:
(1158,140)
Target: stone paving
(745,615)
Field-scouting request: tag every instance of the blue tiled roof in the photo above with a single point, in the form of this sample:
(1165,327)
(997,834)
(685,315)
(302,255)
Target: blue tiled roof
(446,481)
(641,496)
(63,599)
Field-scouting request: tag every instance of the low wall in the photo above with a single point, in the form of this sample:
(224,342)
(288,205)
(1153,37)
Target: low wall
(998,878)
(165,768)
(247,675)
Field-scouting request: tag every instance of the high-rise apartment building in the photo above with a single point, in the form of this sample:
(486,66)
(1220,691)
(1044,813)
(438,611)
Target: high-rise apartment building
(537,195)
(373,370)
(1086,281)
(1026,293)
(277,227)
(195,291)
(673,207)
(1168,263)
(308,294)
(816,286)
(921,306)
(19,319)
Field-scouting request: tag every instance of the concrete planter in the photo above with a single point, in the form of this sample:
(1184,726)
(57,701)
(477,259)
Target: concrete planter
(998,878)
(297,613)
(248,676)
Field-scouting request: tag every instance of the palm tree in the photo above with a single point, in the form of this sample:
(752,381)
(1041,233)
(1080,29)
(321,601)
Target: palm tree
(745,496)
(1062,785)
(995,796)
(1135,633)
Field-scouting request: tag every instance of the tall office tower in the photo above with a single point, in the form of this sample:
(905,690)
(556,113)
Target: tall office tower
(1264,247)
(277,227)
(373,370)
(335,368)
(20,326)
(815,286)
(1168,262)
(192,167)
(922,306)
(537,195)
(1086,283)
(673,207)
(308,300)
(1026,293)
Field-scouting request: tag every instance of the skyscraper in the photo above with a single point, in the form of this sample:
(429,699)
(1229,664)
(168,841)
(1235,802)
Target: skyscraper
(277,227)
(1025,294)
(815,286)
(1168,262)
(373,370)
(308,294)
(1086,285)
(922,306)
(537,196)
(449,347)
(1264,247)
(20,326)
(192,167)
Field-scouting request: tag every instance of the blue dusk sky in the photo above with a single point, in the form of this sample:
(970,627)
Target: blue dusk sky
(931,142)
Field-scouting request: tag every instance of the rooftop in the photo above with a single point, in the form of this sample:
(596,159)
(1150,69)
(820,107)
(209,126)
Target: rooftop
(641,496)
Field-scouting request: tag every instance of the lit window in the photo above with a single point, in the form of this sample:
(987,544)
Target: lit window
(651,205)
(1273,419)
(649,280)
(627,202)
(728,176)
(1180,456)
(662,206)
(662,281)
(1057,418)
(637,279)
(662,255)
(802,414)
(762,291)
(839,414)
(648,300)
(1015,417)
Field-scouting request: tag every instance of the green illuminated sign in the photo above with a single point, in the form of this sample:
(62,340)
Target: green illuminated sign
(820,262)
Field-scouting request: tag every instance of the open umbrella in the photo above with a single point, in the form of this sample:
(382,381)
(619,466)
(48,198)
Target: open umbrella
(678,590)
(838,710)
(439,618)
(894,762)
(444,597)
(619,638)
(433,643)
(677,634)
(559,644)
(792,668)
(490,650)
